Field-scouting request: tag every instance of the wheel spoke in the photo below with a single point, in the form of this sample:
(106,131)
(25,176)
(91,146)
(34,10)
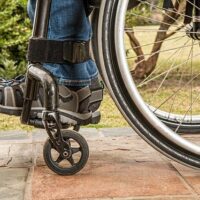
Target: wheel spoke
(165,77)
(170,58)
(174,67)
(71,161)
(161,51)
(59,159)
(174,11)
(75,150)
(150,44)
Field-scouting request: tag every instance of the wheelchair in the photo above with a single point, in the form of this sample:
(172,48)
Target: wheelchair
(109,19)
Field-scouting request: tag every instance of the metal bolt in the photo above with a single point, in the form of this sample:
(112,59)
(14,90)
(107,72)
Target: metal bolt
(65,154)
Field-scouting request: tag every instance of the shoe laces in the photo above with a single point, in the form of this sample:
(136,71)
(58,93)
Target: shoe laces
(19,79)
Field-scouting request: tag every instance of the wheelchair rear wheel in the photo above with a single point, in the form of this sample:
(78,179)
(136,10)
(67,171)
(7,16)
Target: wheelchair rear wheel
(169,49)
(126,94)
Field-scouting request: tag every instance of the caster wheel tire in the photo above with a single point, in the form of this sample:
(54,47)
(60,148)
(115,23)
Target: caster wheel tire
(75,157)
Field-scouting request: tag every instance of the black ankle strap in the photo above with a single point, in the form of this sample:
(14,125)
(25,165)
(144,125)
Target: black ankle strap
(54,51)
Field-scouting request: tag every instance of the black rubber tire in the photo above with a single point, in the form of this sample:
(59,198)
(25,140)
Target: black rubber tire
(78,166)
(123,100)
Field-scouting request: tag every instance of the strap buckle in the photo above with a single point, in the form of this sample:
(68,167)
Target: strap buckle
(76,52)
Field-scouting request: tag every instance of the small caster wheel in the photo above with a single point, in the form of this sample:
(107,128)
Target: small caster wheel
(72,160)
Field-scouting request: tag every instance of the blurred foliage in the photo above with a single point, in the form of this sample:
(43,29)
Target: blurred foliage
(141,14)
(133,16)
(15,29)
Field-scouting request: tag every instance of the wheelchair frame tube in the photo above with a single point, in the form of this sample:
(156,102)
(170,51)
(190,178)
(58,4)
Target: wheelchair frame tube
(41,19)
(36,73)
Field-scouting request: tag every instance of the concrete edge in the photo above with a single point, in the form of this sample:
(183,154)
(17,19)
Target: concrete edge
(28,187)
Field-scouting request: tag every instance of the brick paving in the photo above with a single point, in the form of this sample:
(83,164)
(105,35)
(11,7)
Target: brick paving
(121,167)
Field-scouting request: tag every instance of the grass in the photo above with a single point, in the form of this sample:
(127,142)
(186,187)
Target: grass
(8,122)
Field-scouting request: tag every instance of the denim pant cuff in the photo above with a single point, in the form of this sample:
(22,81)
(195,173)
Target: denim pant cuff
(79,83)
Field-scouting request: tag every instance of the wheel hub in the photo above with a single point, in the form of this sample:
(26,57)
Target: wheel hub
(192,33)
(67,153)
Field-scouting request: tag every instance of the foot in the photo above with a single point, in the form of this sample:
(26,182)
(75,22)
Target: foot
(75,107)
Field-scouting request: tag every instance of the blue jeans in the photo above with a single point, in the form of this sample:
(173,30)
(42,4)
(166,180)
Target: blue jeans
(68,20)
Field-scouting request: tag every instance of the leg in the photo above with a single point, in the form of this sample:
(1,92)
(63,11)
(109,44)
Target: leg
(69,21)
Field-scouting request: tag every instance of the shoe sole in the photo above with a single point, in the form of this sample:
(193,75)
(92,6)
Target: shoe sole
(67,117)
(16,110)
(67,121)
